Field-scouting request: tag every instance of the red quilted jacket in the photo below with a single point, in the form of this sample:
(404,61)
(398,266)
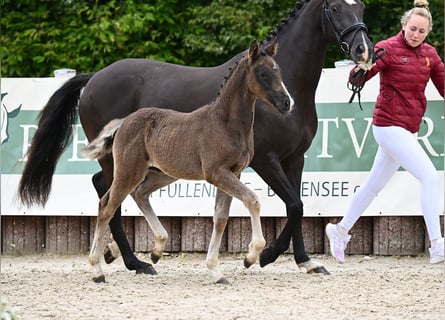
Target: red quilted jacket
(404,74)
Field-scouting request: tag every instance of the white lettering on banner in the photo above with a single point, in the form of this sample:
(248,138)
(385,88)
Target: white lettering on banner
(26,140)
(323,189)
(425,140)
(325,129)
(76,141)
(186,190)
(357,147)
(325,136)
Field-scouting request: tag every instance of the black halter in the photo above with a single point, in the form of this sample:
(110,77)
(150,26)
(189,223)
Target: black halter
(356,27)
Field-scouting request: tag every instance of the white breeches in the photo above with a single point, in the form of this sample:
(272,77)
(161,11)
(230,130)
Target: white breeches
(399,147)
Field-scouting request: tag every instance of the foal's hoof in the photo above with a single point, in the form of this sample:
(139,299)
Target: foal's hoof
(146,269)
(319,270)
(248,263)
(108,255)
(223,281)
(154,257)
(100,279)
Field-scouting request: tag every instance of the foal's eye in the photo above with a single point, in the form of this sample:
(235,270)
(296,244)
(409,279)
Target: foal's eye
(263,75)
(334,9)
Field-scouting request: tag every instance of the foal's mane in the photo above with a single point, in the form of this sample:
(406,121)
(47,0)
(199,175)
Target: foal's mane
(231,71)
(295,12)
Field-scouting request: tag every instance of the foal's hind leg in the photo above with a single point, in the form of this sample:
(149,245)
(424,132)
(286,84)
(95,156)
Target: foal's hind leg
(220,218)
(230,184)
(122,185)
(107,206)
(152,182)
(120,242)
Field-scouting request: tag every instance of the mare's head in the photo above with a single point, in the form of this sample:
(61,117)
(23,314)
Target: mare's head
(264,77)
(343,22)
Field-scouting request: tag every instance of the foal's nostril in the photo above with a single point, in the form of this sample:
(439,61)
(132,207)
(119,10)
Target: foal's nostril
(286,104)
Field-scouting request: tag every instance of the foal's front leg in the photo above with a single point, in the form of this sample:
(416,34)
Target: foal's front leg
(230,184)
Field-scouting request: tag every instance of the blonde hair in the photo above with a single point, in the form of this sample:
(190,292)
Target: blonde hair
(420,9)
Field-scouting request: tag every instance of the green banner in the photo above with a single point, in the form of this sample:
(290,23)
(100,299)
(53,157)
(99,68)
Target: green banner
(344,140)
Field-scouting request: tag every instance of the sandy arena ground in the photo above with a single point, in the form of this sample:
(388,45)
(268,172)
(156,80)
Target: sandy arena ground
(60,287)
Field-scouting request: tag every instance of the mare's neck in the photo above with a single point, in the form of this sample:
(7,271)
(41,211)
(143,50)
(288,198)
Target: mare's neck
(302,48)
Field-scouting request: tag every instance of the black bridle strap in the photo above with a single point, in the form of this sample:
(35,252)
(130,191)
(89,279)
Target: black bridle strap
(362,75)
(356,27)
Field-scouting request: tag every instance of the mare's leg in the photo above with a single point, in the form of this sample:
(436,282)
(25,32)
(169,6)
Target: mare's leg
(119,237)
(220,218)
(141,195)
(230,184)
(285,180)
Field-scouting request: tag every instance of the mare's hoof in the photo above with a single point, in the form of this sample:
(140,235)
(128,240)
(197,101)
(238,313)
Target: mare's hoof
(108,256)
(146,269)
(155,258)
(223,281)
(266,257)
(100,279)
(319,270)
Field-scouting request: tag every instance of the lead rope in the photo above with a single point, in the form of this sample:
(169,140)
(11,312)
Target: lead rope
(361,75)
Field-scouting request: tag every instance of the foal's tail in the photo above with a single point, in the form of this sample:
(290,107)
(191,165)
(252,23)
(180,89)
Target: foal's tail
(50,140)
(103,143)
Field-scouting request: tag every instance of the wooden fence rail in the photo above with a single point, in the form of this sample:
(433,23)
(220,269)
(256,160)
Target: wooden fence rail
(404,235)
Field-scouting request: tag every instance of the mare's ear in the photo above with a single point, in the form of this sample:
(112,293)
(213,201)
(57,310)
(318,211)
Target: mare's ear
(254,50)
(271,48)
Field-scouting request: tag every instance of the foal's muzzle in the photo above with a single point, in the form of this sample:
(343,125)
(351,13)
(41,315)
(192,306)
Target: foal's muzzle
(283,102)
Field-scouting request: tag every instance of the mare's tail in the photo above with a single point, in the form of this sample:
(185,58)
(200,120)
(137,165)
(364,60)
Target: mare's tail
(50,140)
(103,143)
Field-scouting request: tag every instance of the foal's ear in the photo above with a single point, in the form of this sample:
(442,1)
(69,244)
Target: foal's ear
(271,48)
(254,50)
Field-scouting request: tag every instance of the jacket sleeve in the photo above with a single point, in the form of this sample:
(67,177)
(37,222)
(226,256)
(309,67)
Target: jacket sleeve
(437,74)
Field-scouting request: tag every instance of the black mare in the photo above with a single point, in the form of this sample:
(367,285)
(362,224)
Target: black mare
(280,142)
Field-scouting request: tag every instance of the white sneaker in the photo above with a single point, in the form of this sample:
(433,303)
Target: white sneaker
(337,243)
(436,253)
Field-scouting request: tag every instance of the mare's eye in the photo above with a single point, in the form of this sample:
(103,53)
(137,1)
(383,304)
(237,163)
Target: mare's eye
(334,9)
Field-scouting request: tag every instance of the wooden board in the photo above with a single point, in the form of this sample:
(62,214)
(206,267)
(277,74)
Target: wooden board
(22,234)
(67,234)
(144,238)
(196,233)
(73,234)
(398,235)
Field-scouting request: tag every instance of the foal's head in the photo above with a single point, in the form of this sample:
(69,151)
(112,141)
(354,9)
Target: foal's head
(264,78)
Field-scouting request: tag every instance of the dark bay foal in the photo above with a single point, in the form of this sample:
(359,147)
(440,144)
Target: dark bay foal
(213,143)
